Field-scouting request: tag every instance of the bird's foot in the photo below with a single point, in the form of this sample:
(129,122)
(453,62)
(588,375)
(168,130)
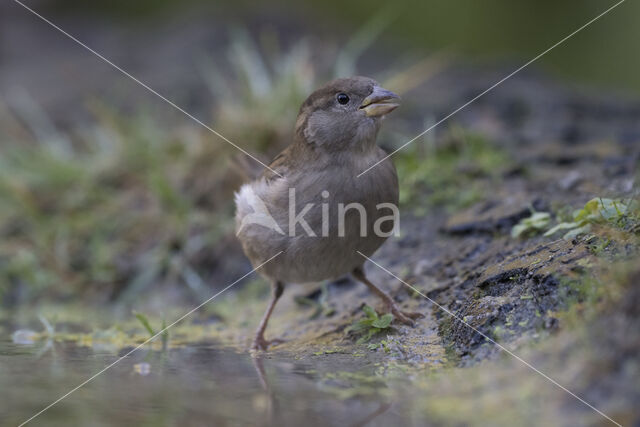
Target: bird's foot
(406,317)
(259,343)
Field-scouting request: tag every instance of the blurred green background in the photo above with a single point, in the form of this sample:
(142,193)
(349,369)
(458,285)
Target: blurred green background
(106,192)
(481,30)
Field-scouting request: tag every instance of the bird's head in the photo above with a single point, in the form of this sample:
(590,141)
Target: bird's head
(344,114)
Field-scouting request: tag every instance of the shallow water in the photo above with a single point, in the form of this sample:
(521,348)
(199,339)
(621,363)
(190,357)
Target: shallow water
(202,384)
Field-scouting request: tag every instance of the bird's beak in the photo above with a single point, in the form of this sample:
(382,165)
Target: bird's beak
(380,102)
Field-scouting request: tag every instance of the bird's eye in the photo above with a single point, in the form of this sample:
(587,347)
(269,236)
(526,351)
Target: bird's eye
(342,98)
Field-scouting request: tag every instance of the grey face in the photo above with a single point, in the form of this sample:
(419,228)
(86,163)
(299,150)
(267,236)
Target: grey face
(345,113)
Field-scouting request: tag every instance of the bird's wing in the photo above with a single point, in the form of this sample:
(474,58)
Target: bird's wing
(280,164)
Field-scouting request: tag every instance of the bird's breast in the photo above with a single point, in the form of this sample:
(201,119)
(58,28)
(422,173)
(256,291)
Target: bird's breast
(324,217)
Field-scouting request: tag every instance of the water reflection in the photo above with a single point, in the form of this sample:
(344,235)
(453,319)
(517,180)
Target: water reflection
(202,384)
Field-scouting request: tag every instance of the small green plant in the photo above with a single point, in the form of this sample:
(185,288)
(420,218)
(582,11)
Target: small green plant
(536,223)
(597,211)
(598,245)
(371,324)
(144,320)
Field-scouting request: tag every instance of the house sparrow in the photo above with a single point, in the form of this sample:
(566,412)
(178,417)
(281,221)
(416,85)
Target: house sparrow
(310,205)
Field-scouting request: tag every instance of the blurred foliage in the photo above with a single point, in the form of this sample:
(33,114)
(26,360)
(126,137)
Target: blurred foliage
(131,203)
(265,85)
(123,207)
(259,96)
(445,173)
(144,321)
(617,213)
(477,30)
(536,223)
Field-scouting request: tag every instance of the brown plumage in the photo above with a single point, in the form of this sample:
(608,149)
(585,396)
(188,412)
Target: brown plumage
(334,140)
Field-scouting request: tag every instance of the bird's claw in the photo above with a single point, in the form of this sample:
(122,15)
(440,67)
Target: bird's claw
(259,343)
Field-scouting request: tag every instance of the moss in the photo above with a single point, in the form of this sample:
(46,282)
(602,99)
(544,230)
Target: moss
(452,174)
(104,218)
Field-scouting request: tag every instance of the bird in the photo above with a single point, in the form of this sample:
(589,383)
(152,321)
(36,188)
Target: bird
(309,217)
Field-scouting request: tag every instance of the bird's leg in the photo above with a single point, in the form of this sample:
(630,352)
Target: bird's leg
(403,316)
(259,343)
